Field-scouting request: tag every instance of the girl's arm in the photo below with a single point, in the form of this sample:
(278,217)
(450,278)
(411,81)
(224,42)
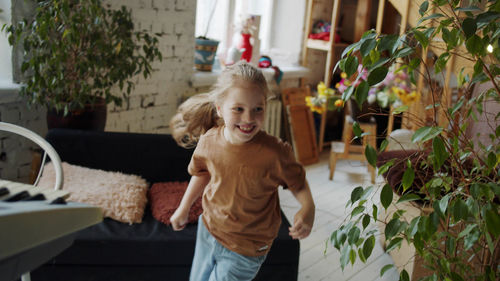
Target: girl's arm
(304,218)
(194,190)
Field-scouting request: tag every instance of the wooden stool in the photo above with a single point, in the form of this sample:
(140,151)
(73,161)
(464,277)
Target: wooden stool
(346,150)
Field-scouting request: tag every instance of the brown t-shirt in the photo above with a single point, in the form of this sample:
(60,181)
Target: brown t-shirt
(240,203)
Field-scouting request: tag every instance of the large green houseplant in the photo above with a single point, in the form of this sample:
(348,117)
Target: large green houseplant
(457,232)
(77,52)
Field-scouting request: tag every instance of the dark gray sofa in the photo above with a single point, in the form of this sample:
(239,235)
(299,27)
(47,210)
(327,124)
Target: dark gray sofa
(149,251)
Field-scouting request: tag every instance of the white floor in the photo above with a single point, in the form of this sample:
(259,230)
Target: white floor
(330,198)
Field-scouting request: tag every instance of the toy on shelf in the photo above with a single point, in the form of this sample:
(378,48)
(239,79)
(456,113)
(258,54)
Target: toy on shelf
(266,62)
(321,31)
(245,44)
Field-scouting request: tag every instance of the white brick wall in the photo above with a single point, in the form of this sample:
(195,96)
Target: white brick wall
(16,151)
(154,101)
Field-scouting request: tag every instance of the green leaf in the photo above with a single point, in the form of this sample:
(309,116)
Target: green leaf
(493,222)
(396,242)
(474,45)
(443,203)
(351,65)
(471,239)
(414,63)
(439,152)
(408,177)
(492,160)
(377,75)
(371,155)
(450,244)
(413,228)
(367,193)
(468,9)
(456,107)
(386,196)
(368,246)
(423,8)
(367,46)
(404,52)
(408,197)
(375,212)
(356,194)
(360,254)
(400,109)
(469,27)
(392,228)
(350,49)
(487,17)
(441,61)
(426,133)
(459,210)
(379,63)
(466,231)
(375,58)
(385,269)
(365,221)
(489,241)
(433,16)
(344,256)
(384,168)
(356,129)
(421,38)
(356,211)
(385,142)
(352,256)
(403,276)
(348,93)
(353,235)
(387,42)
(361,93)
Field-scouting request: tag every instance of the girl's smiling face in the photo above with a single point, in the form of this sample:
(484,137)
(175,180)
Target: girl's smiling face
(243,112)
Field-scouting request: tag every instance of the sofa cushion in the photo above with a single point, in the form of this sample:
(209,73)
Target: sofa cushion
(122,197)
(165,198)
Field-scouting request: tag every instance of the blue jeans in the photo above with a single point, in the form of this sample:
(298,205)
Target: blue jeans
(213,262)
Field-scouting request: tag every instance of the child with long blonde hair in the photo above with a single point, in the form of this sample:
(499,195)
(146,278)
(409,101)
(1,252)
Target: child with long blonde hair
(238,168)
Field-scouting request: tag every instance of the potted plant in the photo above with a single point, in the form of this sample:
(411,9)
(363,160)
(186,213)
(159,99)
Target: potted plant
(205,48)
(78,54)
(454,181)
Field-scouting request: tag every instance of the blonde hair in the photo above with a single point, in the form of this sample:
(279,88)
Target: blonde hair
(198,114)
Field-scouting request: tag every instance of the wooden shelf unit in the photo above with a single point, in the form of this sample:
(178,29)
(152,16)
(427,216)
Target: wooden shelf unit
(333,49)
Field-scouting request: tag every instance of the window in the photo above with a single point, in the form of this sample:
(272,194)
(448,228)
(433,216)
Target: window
(281,25)
(5,48)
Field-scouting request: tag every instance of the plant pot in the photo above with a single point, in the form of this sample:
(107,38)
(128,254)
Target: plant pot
(204,53)
(91,117)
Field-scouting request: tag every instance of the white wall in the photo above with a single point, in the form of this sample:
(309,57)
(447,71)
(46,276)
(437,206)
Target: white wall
(5,48)
(287,31)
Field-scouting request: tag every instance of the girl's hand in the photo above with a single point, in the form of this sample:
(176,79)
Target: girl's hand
(179,219)
(302,223)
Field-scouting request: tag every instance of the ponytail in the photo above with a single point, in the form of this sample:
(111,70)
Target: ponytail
(193,118)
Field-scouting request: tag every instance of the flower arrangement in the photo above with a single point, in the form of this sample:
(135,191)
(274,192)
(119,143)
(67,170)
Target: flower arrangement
(325,100)
(394,90)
